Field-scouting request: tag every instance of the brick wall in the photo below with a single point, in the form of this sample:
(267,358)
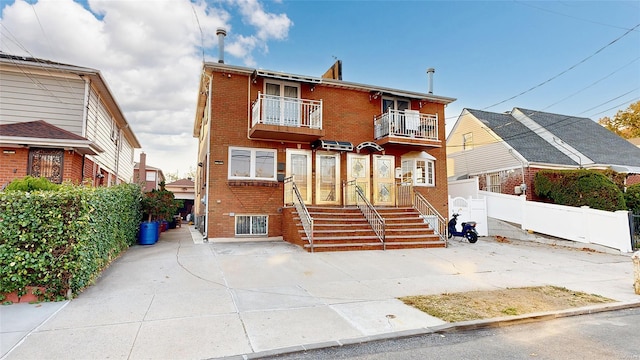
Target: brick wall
(347,116)
(13,164)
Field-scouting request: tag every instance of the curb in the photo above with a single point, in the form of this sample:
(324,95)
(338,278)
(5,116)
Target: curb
(446,328)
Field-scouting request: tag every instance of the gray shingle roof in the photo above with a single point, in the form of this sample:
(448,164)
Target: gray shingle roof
(590,138)
(529,144)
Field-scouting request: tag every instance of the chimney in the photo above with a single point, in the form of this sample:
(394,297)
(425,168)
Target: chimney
(430,72)
(142,167)
(221,34)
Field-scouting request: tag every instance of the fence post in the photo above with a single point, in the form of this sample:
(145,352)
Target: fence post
(636,271)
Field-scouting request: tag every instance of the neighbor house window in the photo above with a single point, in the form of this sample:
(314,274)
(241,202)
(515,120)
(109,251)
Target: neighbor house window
(493,183)
(255,164)
(251,225)
(46,163)
(467,141)
(418,172)
(151,176)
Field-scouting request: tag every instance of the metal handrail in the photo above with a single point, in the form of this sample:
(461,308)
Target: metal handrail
(376,221)
(427,210)
(303,212)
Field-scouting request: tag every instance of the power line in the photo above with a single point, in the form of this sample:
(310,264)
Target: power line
(565,71)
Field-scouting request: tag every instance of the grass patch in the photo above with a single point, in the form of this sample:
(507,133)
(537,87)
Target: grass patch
(475,305)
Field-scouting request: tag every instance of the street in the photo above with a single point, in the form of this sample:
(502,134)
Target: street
(607,335)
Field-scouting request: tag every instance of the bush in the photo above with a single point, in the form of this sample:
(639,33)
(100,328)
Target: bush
(30,183)
(632,198)
(62,240)
(579,188)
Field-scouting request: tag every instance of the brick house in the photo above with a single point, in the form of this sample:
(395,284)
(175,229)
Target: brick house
(61,122)
(506,150)
(263,133)
(147,176)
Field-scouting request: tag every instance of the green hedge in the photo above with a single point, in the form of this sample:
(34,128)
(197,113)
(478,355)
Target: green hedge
(579,188)
(63,239)
(632,197)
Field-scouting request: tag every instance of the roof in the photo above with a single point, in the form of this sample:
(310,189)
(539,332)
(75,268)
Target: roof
(529,144)
(573,134)
(41,133)
(136,165)
(25,62)
(181,182)
(588,137)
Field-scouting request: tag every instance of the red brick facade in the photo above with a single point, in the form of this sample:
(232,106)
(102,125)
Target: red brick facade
(347,115)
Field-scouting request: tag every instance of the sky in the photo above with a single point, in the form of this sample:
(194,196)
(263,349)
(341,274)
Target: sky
(573,58)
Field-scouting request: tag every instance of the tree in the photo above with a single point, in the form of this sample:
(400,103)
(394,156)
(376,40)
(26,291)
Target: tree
(625,123)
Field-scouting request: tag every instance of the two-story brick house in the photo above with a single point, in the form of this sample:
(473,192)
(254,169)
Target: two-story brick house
(260,132)
(61,122)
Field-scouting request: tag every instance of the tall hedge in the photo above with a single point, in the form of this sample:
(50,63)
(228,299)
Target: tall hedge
(63,239)
(632,197)
(579,188)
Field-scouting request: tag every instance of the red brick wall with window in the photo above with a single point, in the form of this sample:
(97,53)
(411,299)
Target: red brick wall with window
(347,116)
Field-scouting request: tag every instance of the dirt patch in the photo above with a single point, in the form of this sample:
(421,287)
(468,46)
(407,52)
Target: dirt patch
(475,305)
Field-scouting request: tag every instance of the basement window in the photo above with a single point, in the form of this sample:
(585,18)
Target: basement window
(251,224)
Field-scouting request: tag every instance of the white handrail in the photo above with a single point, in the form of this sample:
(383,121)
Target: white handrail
(303,212)
(427,210)
(376,221)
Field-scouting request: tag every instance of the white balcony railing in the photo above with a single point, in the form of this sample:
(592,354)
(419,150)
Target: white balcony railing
(407,123)
(284,111)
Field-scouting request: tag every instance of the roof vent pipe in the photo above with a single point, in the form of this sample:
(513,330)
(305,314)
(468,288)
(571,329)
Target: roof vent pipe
(430,72)
(221,34)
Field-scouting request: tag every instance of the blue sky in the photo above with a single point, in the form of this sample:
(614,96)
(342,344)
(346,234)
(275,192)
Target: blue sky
(579,58)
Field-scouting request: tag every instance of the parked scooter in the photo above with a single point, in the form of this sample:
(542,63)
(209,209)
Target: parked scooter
(468,229)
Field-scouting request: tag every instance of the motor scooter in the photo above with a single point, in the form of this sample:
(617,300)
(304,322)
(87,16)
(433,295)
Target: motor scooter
(468,229)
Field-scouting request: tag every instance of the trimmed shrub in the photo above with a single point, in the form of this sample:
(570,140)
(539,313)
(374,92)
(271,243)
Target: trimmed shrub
(579,188)
(30,183)
(632,197)
(62,240)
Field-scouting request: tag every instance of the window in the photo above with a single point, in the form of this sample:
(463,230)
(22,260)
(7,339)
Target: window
(114,131)
(150,176)
(247,163)
(47,163)
(396,104)
(251,225)
(493,183)
(418,172)
(467,141)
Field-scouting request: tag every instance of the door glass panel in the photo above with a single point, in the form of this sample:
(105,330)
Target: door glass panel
(291,106)
(384,181)
(299,173)
(327,179)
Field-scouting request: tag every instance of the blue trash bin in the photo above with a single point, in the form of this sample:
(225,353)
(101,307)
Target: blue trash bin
(148,233)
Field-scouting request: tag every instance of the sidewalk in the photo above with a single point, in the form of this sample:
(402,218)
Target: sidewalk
(182,298)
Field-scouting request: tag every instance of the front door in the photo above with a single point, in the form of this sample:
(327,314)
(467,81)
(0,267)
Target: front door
(299,168)
(358,169)
(327,178)
(383,180)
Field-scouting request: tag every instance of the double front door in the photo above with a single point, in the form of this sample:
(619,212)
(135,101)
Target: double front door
(374,174)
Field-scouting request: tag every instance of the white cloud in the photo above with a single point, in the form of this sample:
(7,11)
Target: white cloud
(150,53)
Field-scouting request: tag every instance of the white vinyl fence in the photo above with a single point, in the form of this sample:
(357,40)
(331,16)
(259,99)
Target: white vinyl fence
(581,224)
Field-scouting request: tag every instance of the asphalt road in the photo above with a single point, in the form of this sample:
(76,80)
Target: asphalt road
(608,335)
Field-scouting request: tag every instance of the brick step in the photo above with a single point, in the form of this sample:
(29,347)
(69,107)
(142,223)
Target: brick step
(339,233)
(411,239)
(342,247)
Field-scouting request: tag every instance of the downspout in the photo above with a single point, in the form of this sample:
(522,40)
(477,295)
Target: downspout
(85,110)
(208,162)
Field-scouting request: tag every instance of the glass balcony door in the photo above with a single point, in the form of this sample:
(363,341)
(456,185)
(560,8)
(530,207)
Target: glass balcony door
(282,105)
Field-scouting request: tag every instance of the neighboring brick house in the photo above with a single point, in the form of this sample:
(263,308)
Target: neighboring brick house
(152,175)
(61,122)
(257,127)
(505,150)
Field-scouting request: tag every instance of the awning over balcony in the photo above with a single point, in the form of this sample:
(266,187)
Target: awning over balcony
(332,145)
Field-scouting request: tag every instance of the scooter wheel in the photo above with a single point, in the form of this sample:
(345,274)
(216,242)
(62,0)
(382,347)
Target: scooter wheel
(449,236)
(471,236)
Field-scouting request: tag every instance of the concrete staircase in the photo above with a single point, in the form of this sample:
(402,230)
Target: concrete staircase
(346,229)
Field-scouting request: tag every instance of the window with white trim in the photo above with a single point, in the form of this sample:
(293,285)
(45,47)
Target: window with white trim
(251,224)
(252,164)
(494,183)
(418,172)
(467,141)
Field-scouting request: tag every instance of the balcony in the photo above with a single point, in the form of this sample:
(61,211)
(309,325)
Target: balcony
(283,118)
(408,127)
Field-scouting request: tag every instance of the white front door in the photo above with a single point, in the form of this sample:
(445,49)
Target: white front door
(327,178)
(384,180)
(298,166)
(358,169)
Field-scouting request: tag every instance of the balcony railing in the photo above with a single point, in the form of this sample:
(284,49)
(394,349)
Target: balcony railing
(406,123)
(284,111)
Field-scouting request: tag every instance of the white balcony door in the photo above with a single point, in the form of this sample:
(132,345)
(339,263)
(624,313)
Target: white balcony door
(358,169)
(282,107)
(299,168)
(327,178)
(384,180)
